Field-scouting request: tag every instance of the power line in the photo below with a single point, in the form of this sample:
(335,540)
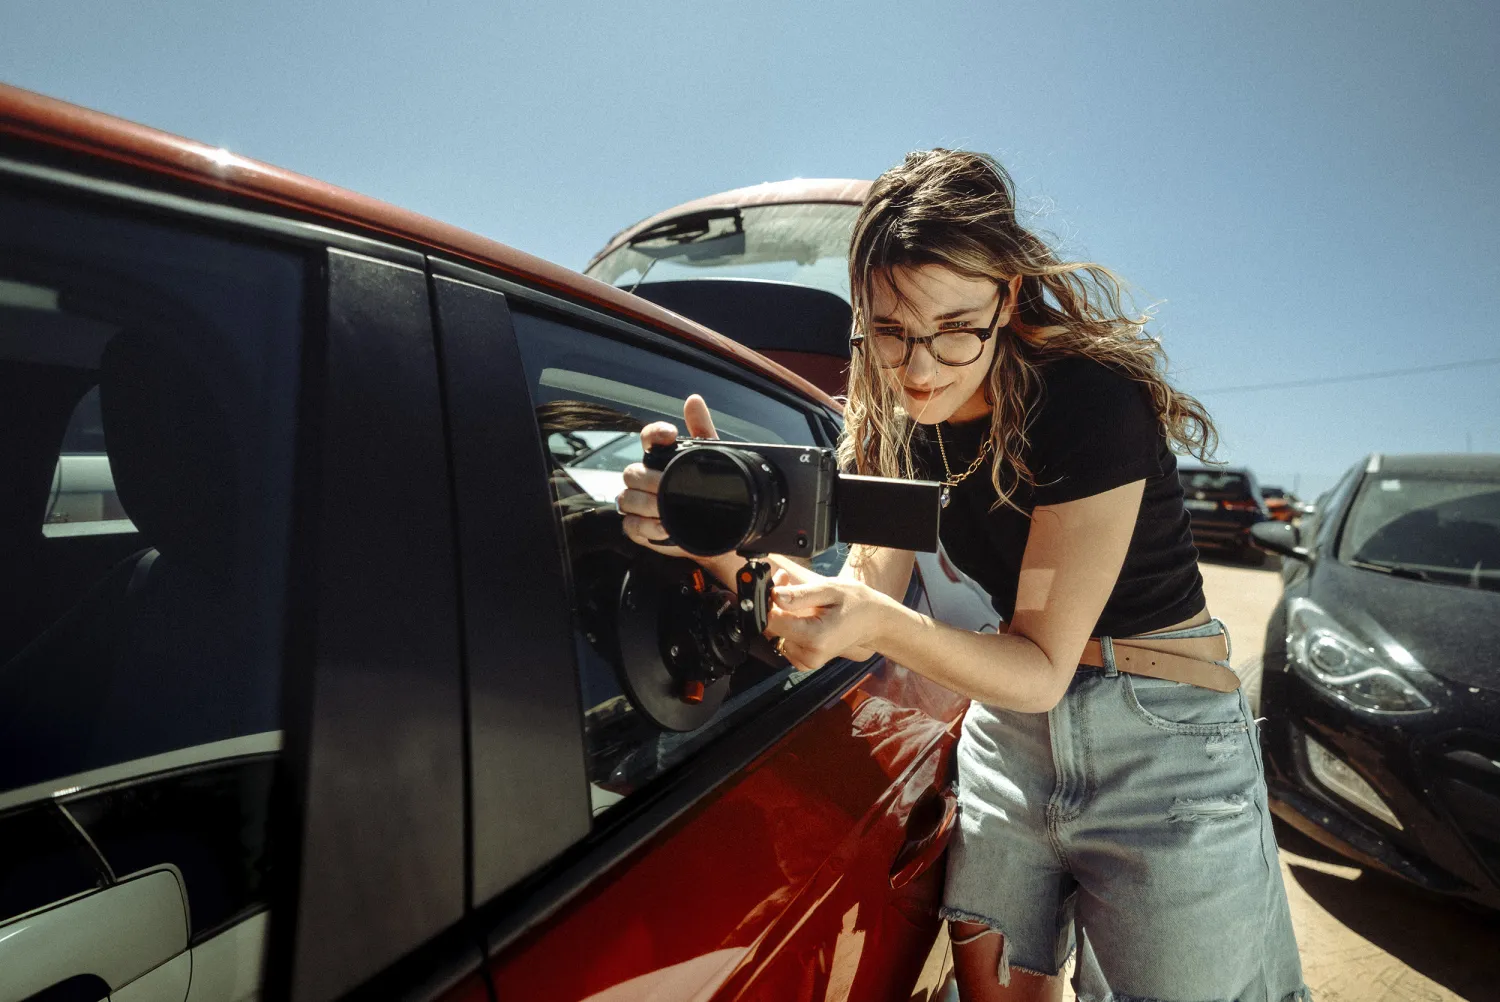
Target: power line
(1473,363)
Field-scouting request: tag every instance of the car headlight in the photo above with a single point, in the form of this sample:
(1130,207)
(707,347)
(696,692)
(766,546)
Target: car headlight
(1374,678)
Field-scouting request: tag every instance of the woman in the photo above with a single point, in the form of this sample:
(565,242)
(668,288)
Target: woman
(1094,794)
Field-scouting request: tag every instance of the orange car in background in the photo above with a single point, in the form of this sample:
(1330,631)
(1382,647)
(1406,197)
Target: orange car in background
(1281,506)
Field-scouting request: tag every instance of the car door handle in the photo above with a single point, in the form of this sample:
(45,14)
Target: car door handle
(927,833)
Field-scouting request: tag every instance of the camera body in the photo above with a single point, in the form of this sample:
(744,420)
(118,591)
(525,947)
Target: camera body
(754,498)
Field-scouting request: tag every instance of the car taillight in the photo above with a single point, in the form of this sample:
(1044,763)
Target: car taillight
(1239,505)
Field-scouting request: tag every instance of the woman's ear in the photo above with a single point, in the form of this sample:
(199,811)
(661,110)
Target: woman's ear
(1012,297)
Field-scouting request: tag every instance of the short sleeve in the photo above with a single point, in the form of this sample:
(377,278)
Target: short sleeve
(1096,430)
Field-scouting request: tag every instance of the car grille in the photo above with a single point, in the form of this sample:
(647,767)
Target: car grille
(1464,770)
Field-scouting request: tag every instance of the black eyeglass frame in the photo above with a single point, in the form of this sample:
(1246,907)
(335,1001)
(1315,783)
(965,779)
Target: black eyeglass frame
(858,340)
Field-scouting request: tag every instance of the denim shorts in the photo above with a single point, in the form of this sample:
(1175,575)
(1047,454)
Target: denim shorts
(1131,819)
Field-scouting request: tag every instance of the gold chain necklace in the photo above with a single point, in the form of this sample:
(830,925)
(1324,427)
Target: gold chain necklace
(952,481)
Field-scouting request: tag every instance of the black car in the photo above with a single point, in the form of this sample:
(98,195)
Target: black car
(1223,505)
(1382,671)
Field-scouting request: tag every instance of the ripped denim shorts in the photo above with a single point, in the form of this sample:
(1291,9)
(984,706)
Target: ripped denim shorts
(1131,820)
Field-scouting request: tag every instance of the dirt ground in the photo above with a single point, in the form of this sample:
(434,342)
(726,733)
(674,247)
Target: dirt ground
(1364,937)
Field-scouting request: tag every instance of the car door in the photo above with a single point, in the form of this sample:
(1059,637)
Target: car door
(752,857)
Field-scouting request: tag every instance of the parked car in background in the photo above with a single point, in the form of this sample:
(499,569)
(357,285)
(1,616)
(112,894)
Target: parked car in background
(1280,505)
(1381,690)
(310,664)
(1223,504)
(766,265)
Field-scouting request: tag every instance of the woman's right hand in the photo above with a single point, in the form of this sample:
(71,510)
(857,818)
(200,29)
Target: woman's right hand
(637,502)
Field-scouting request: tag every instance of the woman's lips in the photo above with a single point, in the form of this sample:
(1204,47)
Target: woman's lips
(922,396)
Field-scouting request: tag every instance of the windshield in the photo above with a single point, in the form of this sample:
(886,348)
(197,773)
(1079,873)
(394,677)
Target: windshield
(804,244)
(1444,527)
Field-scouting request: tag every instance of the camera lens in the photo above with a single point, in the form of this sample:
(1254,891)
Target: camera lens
(714,499)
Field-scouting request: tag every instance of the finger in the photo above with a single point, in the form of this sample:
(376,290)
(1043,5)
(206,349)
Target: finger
(795,626)
(658,433)
(700,423)
(633,502)
(803,596)
(639,478)
(794,574)
(800,657)
(649,533)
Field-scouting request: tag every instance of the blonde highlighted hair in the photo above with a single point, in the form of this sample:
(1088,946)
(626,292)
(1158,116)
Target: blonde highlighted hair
(957,209)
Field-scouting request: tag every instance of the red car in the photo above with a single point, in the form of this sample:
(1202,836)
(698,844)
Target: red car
(310,664)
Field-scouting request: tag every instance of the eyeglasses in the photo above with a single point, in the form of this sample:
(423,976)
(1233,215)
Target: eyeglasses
(960,345)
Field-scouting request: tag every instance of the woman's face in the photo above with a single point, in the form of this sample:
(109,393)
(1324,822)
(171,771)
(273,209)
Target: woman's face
(939,299)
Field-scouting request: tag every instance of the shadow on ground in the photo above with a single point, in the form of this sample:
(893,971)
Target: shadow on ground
(1220,558)
(1456,945)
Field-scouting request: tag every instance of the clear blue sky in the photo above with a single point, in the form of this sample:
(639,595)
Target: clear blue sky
(1308,189)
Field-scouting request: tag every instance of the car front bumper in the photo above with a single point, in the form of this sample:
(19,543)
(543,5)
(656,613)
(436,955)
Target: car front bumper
(1438,773)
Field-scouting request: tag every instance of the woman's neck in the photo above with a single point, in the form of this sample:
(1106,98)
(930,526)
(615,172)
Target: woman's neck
(972,409)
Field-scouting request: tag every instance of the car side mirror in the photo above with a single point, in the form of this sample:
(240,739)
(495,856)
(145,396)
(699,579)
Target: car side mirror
(1279,537)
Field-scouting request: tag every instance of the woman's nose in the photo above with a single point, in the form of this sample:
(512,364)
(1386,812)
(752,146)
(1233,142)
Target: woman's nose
(921,367)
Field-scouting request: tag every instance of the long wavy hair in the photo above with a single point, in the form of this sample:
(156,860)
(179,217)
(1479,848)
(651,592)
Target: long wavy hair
(957,209)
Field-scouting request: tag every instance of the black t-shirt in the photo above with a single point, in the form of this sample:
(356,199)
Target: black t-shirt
(1093,429)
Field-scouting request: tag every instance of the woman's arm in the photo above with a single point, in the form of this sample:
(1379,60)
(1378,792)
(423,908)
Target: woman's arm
(1073,557)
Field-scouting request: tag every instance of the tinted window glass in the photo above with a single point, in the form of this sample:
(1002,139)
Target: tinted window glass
(211,825)
(43,859)
(592,395)
(190,345)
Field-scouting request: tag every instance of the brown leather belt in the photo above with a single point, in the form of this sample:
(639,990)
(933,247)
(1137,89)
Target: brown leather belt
(1183,659)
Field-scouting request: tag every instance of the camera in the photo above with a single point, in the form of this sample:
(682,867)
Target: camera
(754,499)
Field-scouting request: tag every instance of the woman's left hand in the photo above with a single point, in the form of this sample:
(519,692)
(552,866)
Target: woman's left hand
(823,618)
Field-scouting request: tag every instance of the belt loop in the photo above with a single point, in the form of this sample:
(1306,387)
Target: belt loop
(1228,640)
(1107,648)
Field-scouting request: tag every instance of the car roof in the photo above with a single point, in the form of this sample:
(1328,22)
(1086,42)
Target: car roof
(1418,463)
(1240,470)
(797,191)
(160,159)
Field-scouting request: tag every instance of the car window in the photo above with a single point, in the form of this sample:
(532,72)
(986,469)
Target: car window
(148,376)
(800,243)
(1216,483)
(592,396)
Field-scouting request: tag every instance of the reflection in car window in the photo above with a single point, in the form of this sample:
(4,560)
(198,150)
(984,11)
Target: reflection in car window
(140,663)
(592,396)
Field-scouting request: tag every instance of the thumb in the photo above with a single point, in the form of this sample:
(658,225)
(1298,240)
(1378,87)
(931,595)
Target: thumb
(700,423)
